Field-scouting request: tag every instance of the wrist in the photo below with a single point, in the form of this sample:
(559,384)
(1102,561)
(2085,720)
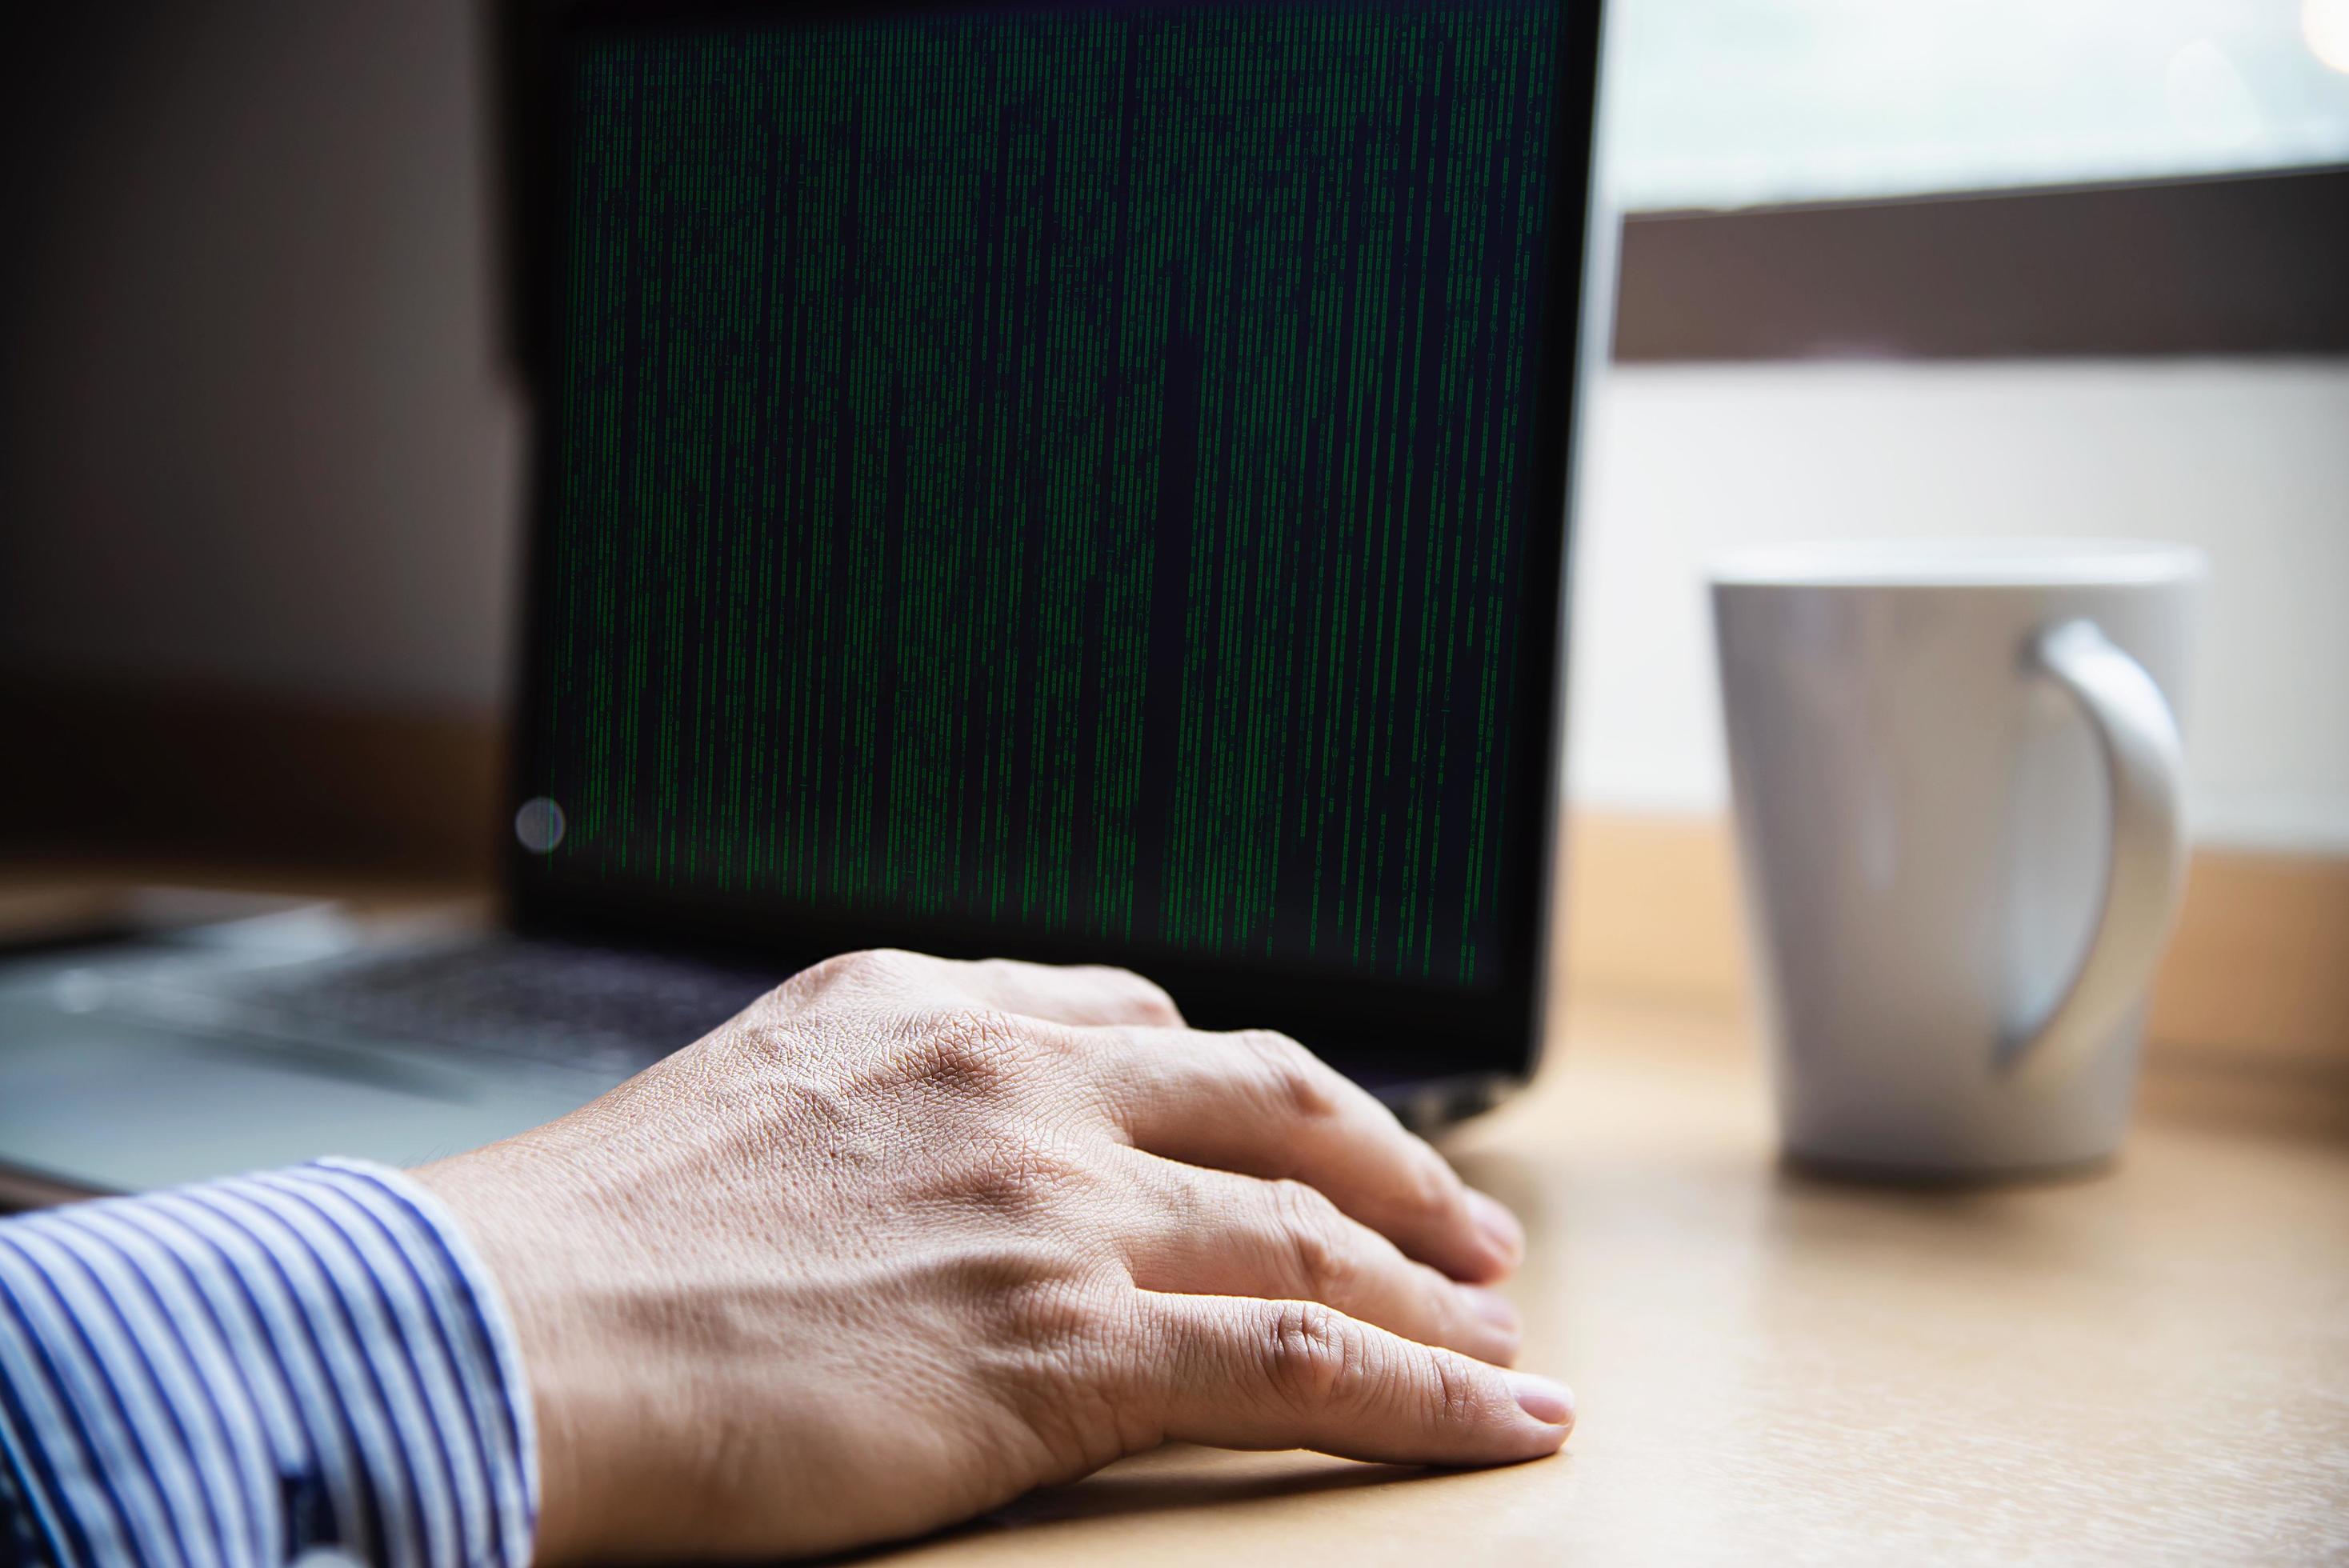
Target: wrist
(520,1245)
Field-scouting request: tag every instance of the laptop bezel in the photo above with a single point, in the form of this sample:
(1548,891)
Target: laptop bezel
(1370,1023)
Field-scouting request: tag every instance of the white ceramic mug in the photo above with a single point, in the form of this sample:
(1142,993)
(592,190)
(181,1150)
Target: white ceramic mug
(1958,780)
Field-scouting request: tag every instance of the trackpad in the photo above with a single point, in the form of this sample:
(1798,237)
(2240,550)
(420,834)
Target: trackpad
(126,1104)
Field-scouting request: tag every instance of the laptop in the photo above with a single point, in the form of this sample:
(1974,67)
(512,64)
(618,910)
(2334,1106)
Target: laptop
(1084,482)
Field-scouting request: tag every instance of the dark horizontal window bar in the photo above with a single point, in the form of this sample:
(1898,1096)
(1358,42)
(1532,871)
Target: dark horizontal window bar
(2254,264)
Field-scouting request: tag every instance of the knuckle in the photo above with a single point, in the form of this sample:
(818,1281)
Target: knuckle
(964,1050)
(1294,1077)
(843,973)
(1321,1260)
(864,964)
(1431,1186)
(1021,1180)
(759,1037)
(1441,1300)
(1144,998)
(1456,1399)
(1313,1359)
(1055,1314)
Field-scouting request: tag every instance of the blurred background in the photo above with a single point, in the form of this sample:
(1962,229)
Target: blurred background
(1945,267)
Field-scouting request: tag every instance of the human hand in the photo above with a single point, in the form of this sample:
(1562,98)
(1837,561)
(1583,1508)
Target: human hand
(909,1237)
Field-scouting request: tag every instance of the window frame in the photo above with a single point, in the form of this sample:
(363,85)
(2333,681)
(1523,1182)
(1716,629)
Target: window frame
(2250,264)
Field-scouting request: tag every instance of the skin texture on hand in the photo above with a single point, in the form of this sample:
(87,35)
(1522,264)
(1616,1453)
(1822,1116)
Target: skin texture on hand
(910,1237)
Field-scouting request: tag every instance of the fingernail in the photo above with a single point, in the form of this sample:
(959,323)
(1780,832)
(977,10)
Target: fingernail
(1543,1398)
(1494,1308)
(1500,1226)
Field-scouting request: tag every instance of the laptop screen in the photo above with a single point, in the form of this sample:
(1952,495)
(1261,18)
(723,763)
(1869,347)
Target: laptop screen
(1073,474)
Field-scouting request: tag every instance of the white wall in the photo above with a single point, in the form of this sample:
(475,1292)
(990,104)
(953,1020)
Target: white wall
(2247,459)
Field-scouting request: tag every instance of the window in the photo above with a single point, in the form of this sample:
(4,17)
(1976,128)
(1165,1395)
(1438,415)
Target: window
(1979,178)
(1729,103)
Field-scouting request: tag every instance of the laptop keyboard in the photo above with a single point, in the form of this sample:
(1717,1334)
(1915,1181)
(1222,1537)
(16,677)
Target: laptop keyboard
(597,1008)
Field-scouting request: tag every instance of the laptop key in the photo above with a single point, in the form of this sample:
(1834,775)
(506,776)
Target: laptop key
(593,1008)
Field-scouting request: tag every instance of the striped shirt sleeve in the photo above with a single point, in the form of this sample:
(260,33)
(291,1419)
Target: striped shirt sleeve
(244,1372)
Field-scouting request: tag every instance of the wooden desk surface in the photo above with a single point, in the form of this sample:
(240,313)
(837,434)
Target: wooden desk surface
(2149,1363)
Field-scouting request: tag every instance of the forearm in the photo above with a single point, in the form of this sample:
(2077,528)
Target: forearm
(239,1372)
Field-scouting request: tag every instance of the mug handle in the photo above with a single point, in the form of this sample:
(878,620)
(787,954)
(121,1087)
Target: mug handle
(2145,771)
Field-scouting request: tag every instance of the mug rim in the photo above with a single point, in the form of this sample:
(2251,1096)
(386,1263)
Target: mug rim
(1953,563)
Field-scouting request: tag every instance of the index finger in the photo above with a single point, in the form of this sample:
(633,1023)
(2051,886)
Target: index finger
(1078,994)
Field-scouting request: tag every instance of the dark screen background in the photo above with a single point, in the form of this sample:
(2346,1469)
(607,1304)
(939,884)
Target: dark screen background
(1062,470)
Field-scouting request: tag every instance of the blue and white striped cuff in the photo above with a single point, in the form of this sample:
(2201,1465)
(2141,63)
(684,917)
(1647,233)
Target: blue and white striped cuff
(238,1373)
